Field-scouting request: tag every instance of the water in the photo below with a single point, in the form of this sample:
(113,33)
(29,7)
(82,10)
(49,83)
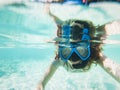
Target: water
(25,55)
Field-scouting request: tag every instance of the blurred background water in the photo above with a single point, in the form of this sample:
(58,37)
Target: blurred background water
(24,54)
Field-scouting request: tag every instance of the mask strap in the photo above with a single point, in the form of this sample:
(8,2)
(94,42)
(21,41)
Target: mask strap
(85,35)
(66,31)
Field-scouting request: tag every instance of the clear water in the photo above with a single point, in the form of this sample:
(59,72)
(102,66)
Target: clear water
(25,55)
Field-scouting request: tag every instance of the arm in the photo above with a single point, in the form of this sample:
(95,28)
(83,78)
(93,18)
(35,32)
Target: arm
(113,27)
(57,20)
(49,73)
(110,67)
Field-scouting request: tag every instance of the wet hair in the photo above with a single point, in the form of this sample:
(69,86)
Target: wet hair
(76,32)
(95,33)
(78,26)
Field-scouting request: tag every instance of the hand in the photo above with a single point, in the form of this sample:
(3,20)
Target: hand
(40,87)
(47,9)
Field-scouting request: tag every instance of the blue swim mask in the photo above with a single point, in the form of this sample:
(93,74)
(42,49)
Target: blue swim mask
(81,48)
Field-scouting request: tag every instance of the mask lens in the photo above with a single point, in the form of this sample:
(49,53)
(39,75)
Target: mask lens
(66,52)
(82,51)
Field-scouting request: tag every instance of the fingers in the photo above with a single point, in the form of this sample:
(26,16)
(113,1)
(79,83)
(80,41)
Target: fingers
(40,87)
(47,8)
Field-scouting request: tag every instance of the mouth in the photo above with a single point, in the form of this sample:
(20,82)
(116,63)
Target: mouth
(76,62)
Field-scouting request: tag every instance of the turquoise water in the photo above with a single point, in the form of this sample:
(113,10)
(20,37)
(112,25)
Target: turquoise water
(24,54)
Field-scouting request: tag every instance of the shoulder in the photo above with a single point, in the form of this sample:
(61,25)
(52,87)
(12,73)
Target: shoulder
(111,67)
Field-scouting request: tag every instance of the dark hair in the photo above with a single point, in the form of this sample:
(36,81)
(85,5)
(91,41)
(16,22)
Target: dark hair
(76,32)
(77,28)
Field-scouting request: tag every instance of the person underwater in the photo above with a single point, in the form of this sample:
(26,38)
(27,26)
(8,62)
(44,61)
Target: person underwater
(79,45)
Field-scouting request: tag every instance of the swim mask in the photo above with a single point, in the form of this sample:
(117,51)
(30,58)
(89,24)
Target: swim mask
(82,48)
